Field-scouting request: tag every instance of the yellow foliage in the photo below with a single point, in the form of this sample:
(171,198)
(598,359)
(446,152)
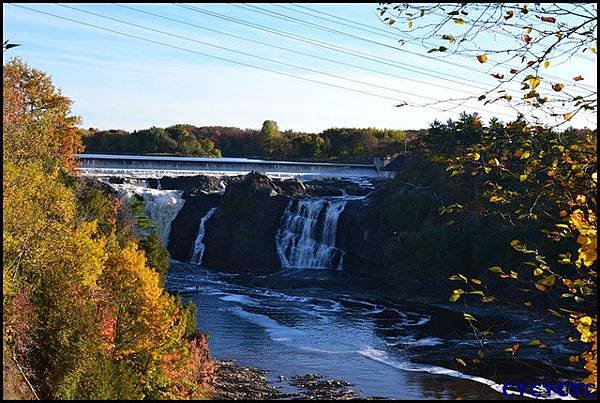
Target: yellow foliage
(146,315)
(586,226)
(82,286)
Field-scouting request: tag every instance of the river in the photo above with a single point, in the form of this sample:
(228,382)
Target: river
(369,343)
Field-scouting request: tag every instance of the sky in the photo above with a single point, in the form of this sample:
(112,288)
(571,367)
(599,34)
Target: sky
(128,83)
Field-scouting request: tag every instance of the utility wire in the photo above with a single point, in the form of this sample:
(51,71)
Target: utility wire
(373,30)
(436,85)
(275,61)
(357,25)
(246,53)
(337,48)
(323,28)
(211,56)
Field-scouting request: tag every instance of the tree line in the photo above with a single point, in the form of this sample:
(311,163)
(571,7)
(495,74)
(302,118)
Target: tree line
(335,144)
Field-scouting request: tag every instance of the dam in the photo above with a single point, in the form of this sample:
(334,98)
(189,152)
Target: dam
(149,166)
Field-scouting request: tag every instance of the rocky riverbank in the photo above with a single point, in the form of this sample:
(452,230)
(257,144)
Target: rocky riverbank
(236,382)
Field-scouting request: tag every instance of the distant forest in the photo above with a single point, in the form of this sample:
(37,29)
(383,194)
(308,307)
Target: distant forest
(335,144)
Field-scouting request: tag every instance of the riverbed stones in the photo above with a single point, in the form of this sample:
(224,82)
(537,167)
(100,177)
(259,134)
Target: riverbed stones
(235,382)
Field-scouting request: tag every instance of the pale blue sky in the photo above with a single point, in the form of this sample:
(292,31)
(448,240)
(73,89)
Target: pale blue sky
(120,82)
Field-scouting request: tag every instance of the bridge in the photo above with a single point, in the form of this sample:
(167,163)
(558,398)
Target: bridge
(148,166)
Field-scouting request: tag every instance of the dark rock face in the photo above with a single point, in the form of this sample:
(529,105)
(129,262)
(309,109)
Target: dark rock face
(240,236)
(184,228)
(367,246)
(446,324)
(388,257)
(336,187)
(198,183)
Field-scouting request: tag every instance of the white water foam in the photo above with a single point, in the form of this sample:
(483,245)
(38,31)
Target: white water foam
(411,341)
(240,299)
(307,241)
(381,356)
(198,250)
(162,206)
(276,331)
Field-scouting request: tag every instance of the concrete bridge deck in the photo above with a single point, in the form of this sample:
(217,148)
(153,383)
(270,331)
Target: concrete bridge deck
(157,166)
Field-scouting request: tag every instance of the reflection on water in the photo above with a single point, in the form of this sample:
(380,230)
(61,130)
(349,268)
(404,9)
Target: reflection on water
(365,342)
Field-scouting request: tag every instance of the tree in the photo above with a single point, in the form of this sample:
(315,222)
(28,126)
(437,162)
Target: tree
(528,173)
(37,120)
(83,313)
(269,136)
(534,37)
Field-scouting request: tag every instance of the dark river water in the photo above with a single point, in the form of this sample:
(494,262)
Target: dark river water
(321,331)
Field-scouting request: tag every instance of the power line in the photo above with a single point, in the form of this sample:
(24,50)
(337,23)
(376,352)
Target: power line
(385,34)
(246,53)
(320,27)
(388,34)
(294,51)
(273,60)
(209,55)
(336,48)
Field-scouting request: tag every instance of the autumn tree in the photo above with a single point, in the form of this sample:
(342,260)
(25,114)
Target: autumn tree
(530,172)
(37,120)
(84,315)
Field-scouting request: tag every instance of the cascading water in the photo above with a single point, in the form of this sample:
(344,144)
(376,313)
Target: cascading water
(162,206)
(198,250)
(306,236)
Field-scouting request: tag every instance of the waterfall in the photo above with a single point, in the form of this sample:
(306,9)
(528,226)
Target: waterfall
(198,250)
(306,236)
(162,206)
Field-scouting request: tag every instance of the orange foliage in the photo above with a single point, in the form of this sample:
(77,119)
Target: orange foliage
(36,117)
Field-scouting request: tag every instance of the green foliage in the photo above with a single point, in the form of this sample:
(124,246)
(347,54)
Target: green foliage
(93,204)
(270,137)
(156,254)
(101,378)
(190,311)
(138,207)
(344,144)
(539,186)
(176,140)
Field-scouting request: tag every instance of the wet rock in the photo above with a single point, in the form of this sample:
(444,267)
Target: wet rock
(239,236)
(184,228)
(197,183)
(314,386)
(446,324)
(235,382)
